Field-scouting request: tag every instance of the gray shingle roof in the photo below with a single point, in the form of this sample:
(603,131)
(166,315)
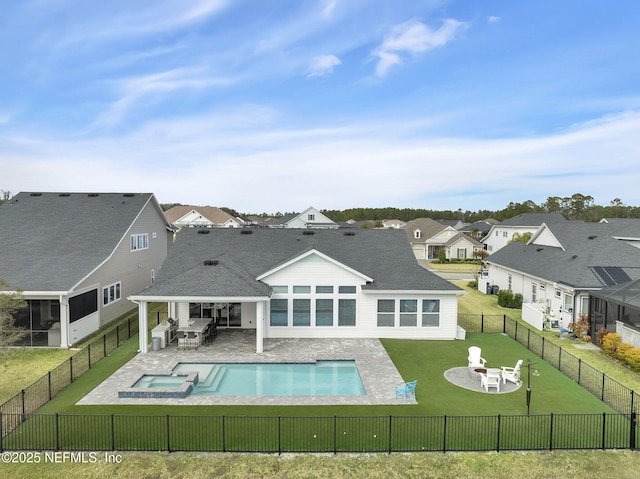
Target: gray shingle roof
(586,246)
(534,219)
(242,257)
(50,241)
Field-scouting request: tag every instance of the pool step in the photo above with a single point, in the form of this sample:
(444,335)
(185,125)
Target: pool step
(212,381)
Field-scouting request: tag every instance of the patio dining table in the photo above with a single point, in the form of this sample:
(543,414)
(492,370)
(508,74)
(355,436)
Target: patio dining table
(196,326)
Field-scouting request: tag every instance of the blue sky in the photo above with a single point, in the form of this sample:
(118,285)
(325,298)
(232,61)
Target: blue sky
(277,105)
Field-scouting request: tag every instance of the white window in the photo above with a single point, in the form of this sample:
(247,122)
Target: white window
(509,282)
(417,234)
(568,303)
(430,313)
(386,312)
(462,252)
(534,293)
(311,217)
(111,293)
(408,312)
(140,241)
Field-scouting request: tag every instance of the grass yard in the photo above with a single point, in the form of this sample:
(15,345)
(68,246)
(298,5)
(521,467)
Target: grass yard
(425,361)
(454,267)
(506,465)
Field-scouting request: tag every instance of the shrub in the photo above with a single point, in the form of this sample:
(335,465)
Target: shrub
(610,343)
(581,327)
(507,299)
(630,356)
(600,335)
(472,284)
(442,255)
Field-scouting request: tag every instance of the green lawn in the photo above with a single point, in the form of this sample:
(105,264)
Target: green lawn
(425,361)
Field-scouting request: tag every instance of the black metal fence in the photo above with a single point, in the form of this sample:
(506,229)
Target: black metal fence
(334,434)
(610,391)
(36,395)
(21,429)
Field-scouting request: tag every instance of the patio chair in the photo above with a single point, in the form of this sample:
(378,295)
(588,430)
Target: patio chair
(512,374)
(475,358)
(407,390)
(491,379)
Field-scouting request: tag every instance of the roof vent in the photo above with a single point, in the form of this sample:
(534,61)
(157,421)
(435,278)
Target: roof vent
(128,195)
(574,256)
(64,194)
(539,249)
(592,237)
(308,232)
(210,262)
(203,232)
(36,194)
(246,232)
(349,233)
(93,195)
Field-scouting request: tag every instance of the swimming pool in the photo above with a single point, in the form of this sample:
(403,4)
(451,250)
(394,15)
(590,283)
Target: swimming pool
(322,378)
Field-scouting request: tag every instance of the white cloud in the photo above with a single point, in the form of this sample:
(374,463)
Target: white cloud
(411,38)
(493,19)
(328,6)
(322,65)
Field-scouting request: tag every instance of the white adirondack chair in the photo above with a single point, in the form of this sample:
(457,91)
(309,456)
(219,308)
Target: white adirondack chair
(475,358)
(490,380)
(512,374)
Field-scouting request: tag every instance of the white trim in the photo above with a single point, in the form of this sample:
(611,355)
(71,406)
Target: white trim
(307,254)
(198,299)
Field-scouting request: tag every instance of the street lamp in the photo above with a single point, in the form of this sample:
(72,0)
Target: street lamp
(535,373)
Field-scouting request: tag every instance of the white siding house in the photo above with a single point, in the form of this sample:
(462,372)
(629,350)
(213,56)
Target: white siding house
(307,284)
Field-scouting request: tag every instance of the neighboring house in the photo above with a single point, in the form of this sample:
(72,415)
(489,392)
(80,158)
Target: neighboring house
(393,224)
(478,230)
(502,233)
(77,257)
(304,284)
(462,246)
(201,216)
(617,309)
(428,237)
(309,218)
(562,264)
(455,224)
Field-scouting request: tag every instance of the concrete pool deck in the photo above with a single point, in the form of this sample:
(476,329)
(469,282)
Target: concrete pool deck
(379,374)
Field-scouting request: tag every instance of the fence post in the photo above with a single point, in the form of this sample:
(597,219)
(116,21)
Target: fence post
(129,327)
(632,435)
(543,347)
(528,339)
(279,438)
(498,438)
(224,442)
(1,432)
(113,433)
(632,401)
(602,391)
(168,435)
(104,345)
(117,335)
(560,359)
(89,355)
(70,369)
(551,432)
(390,431)
(23,405)
(49,379)
(604,428)
(482,323)
(579,369)
(57,432)
(335,434)
(444,434)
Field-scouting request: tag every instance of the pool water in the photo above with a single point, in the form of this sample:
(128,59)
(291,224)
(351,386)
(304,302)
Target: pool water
(322,378)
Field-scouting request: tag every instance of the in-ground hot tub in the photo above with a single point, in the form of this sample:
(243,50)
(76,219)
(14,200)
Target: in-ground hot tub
(162,386)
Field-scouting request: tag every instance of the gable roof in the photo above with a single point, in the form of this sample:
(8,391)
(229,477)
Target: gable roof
(215,215)
(51,241)
(383,255)
(589,255)
(427,227)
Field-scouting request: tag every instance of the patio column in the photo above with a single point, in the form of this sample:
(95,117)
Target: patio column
(64,322)
(260,305)
(143,327)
